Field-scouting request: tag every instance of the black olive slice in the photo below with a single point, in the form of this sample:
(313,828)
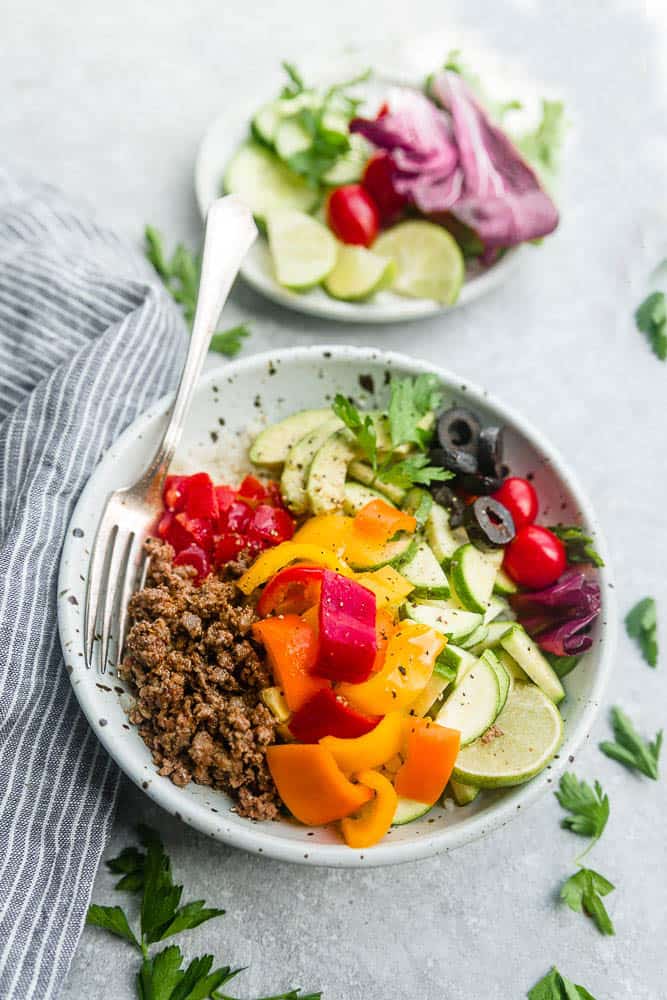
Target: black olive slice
(490,451)
(459,429)
(488,523)
(480,485)
(446,497)
(454,459)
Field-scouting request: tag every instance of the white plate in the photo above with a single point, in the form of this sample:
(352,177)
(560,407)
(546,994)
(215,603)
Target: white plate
(243,394)
(216,149)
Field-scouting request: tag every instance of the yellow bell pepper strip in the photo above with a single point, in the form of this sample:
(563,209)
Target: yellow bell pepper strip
(374,819)
(274,699)
(327,531)
(380,521)
(271,560)
(431,753)
(410,656)
(389,587)
(311,784)
(370,750)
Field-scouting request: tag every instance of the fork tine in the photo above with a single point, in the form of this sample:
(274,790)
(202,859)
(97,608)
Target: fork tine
(105,600)
(99,562)
(123,591)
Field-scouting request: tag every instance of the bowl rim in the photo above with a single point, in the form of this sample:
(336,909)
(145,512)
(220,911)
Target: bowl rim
(256,837)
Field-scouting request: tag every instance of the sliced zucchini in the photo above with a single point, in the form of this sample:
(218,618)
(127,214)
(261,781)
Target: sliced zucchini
(525,651)
(472,576)
(455,623)
(504,584)
(326,478)
(290,138)
(259,178)
(443,540)
(461,659)
(265,124)
(357,496)
(504,679)
(429,695)
(497,607)
(418,502)
(424,572)
(494,633)
(349,167)
(363,473)
(299,460)
(472,707)
(476,638)
(408,810)
(463,794)
(271,447)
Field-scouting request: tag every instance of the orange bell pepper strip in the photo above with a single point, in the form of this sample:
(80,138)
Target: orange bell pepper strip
(271,560)
(370,750)
(291,646)
(311,784)
(431,753)
(375,818)
(409,659)
(380,521)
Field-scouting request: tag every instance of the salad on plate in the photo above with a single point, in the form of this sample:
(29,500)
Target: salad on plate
(368,187)
(371,622)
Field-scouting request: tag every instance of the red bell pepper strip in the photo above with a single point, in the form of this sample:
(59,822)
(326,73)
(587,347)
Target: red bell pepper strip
(348,641)
(194,556)
(291,591)
(326,715)
(174,493)
(201,500)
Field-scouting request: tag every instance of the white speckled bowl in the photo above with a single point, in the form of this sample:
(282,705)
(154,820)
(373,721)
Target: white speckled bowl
(229,402)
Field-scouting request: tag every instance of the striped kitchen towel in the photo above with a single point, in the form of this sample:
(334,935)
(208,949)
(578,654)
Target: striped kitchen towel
(86,343)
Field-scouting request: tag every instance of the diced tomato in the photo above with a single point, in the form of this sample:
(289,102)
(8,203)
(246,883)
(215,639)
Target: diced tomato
(378,180)
(201,501)
(227,547)
(251,489)
(271,524)
(225,496)
(174,493)
(171,530)
(327,715)
(274,495)
(194,556)
(198,529)
(237,517)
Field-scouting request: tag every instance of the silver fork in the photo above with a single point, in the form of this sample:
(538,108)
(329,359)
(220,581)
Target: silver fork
(118,563)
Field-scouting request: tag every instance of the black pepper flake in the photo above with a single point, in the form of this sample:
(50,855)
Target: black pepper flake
(366,382)
(72,599)
(402,670)
(214,436)
(77,532)
(326,354)
(102,722)
(393,694)
(257,402)
(221,421)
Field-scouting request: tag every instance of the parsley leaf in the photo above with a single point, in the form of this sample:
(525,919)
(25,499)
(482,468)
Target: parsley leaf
(181,275)
(554,986)
(413,469)
(651,319)
(631,749)
(583,893)
(112,919)
(641,623)
(589,807)
(411,401)
(295,84)
(129,864)
(578,545)
(542,146)
(362,426)
(159,976)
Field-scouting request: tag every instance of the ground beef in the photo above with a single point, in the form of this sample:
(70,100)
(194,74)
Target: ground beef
(197,674)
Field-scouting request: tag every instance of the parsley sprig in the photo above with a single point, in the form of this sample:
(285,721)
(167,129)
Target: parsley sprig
(589,807)
(180,275)
(583,893)
(555,986)
(630,748)
(578,545)
(641,623)
(163,975)
(651,319)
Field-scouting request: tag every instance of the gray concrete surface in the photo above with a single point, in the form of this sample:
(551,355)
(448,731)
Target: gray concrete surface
(108,101)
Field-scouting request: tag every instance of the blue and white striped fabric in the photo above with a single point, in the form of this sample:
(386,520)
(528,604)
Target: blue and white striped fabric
(86,343)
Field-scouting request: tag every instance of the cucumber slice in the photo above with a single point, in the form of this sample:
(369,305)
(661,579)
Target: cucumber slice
(473,704)
(423,570)
(472,577)
(504,679)
(443,540)
(494,633)
(497,607)
(429,695)
(298,462)
(476,638)
(349,167)
(461,659)
(504,584)
(519,645)
(418,503)
(408,810)
(429,262)
(358,274)
(290,138)
(364,474)
(357,496)
(463,794)
(265,123)
(326,478)
(455,623)
(495,557)
(303,251)
(516,672)
(530,733)
(272,446)
(265,184)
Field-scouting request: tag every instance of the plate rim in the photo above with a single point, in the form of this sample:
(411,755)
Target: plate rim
(255,837)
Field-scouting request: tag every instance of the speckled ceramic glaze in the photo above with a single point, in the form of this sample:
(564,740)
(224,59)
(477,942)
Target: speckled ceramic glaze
(230,404)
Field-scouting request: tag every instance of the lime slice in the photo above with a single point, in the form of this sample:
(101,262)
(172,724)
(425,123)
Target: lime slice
(358,274)
(265,184)
(302,249)
(429,262)
(530,730)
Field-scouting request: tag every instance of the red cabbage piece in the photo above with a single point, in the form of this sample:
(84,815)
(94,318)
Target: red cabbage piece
(565,639)
(573,592)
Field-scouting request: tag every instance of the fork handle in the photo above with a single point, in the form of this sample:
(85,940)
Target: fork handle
(230,232)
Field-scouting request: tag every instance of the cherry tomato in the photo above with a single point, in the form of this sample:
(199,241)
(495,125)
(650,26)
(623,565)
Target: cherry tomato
(352,215)
(535,557)
(378,181)
(520,499)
